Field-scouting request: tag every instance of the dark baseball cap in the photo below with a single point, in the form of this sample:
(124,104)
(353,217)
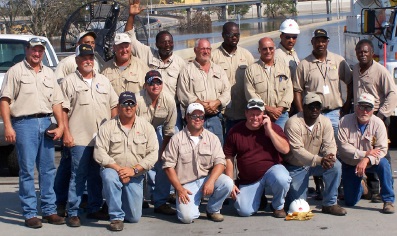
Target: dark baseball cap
(151,75)
(84,49)
(320,33)
(127,96)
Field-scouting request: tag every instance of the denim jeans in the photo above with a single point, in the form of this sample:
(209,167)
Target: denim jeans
(84,169)
(214,125)
(300,181)
(334,116)
(33,147)
(124,200)
(190,211)
(62,177)
(276,178)
(282,119)
(354,190)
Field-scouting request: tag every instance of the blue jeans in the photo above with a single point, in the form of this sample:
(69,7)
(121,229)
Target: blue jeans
(214,125)
(124,200)
(300,181)
(179,119)
(33,147)
(190,211)
(62,177)
(334,116)
(84,169)
(282,119)
(354,190)
(249,198)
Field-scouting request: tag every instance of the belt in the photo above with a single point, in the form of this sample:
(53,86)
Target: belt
(329,110)
(38,115)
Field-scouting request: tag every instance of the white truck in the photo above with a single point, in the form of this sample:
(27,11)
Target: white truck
(12,51)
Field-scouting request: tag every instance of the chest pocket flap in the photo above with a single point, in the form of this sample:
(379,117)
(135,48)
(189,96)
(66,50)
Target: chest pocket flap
(140,141)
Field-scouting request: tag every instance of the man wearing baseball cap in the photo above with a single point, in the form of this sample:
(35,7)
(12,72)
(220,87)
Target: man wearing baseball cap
(313,152)
(124,168)
(125,72)
(257,145)
(194,163)
(363,144)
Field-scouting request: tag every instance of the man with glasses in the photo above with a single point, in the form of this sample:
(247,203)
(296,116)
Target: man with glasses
(126,148)
(30,95)
(362,142)
(313,152)
(90,101)
(257,144)
(194,163)
(159,109)
(234,60)
(205,82)
(270,80)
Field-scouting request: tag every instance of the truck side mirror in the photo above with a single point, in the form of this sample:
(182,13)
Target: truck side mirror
(369,22)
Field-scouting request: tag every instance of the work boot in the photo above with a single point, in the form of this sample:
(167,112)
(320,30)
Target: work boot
(335,210)
(33,223)
(217,217)
(74,221)
(278,213)
(165,209)
(172,198)
(376,198)
(54,219)
(116,225)
(388,208)
(61,210)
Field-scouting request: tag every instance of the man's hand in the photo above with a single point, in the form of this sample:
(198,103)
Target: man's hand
(135,7)
(267,124)
(213,106)
(10,135)
(328,161)
(68,140)
(183,195)
(208,188)
(58,133)
(125,180)
(360,167)
(273,112)
(125,172)
(234,193)
(373,152)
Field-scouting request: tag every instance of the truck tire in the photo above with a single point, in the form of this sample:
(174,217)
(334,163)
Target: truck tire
(12,160)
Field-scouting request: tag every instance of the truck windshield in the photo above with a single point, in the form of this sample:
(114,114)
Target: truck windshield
(13,51)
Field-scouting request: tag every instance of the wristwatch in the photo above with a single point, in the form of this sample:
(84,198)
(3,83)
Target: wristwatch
(136,171)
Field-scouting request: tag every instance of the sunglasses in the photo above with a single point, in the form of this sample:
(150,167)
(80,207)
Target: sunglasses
(128,104)
(254,103)
(314,106)
(268,49)
(232,35)
(291,37)
(195,117)
(155,82)
(365,108)
(37,40)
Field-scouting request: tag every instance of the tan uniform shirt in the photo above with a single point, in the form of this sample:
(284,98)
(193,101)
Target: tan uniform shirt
(234,65)
(192,162)
(163,114)
(377,81)
(68,66)
(195,84)
(323,78)
(30,92)
(89,107)
(308,147)
(169,70)
(353,144)
(138,146)
(130,79)
(290,59)
(273,85)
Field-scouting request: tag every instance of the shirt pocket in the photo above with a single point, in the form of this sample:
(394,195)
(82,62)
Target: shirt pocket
(185,155)
(172,77)
(83,96)
(161,113)
(116,144)
(140,142)
(332,73)
(48,88)
(205,157)
(198,85)
(102,93)
(28,85)
(282,83)
(260,86)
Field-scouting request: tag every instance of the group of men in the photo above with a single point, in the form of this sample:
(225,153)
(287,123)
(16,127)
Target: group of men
(118,121)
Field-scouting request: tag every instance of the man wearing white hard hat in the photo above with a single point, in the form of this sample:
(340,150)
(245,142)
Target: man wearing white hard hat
(125,72)
(194,163)
(363,144)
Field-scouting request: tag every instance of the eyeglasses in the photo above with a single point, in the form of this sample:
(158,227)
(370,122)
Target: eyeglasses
(291,37)
(37,40)
(268,49)
(255,103)
(195,117)
(365,108)
(128,104)
(232,35)
(205,49)
(155,82)
(314,106)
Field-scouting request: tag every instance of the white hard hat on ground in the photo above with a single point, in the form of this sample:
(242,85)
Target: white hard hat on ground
(289,26)
(299,205)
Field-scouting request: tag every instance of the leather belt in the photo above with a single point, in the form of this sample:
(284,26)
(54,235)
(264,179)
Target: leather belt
(38,115)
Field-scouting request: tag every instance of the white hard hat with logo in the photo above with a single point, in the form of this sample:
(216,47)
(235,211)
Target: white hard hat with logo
(299,205)
(289,26)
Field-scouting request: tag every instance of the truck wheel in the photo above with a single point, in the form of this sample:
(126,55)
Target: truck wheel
(12,160)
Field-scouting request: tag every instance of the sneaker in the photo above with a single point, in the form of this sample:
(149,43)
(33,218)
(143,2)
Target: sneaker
(54,219)
(61,210)
(388,208)
(116,225)
(99,215)
(376,198)
(165,209)
(33,223)
(217,217)
(335,210)
(74,221)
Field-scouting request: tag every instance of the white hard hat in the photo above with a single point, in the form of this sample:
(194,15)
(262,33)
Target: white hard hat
(289,26)
(298,205)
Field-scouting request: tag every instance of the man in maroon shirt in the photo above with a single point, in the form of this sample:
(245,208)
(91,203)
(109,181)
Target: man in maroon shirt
(257,144)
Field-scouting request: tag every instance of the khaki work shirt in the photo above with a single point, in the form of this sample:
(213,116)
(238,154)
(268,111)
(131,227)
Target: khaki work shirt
(132,78)
(308,147)
(89,107)
(273,86)
(68,66)
(234,65)
(192,162)
(164,113)
(290,58)
(323,78)
(194,83)
(30,92)
(377,81)
(353,145)
(169,70)
(138,146)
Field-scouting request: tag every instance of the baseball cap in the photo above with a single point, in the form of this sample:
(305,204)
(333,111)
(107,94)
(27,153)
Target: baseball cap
(193,107)
(151,75)
(367,99)
(85,33)
(320,33)
(311,97)
(37,42)
(121,38)
(83,50)
(256,103)
(127,96)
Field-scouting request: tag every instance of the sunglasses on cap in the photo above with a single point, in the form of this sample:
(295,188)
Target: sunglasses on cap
(37,40)
(291,37)
(128,104)
(313,106)
(195,117)
(365,108)
(232,35)
(255,103)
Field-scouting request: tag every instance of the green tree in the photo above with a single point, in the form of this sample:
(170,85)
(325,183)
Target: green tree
(274,8)
(242,10)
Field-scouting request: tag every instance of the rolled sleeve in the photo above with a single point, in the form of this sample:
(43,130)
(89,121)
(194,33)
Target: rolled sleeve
(170,154)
